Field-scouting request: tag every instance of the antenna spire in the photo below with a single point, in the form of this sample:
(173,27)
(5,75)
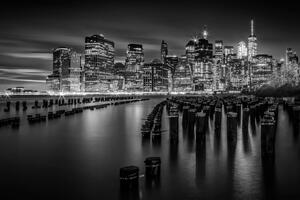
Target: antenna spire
(205,33)
(252,27)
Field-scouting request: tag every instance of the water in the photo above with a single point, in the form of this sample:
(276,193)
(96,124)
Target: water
(80,157)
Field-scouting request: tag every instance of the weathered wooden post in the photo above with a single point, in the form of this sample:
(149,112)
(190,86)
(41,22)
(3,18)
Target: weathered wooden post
(24,104)
(152,167)
(17,105)
(232,128)
(200,127)
(267,139)
(245,120)
(185,116)
(191,121)
(218,120)
(173,127)
(129,177)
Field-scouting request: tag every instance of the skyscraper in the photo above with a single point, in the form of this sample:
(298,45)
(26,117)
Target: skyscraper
(291,70)
(182,76)
(242,50)
(72,75)
(261,70)
(134,57)
(252,43)
(199,54)
(99,60)
(163,51)
(61,60)
(291,57)
(228,50)
(156,76)
(172,61)
(67,71)
(219,50)
(61,64)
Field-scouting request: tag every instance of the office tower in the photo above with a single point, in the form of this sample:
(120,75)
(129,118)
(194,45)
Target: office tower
(242,50)
(219,50)
(291,57)
(252,43)
(72,74)
(61,60)
(237,74)
(61,64)
(228,50)
(156,76)
(291,71)
(202,70)
(190,52)
(261,70)
(182,81)
(99,60)
(163,51)
(134,57)
(172,61)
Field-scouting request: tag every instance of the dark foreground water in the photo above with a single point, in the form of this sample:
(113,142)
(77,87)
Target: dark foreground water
(79,158)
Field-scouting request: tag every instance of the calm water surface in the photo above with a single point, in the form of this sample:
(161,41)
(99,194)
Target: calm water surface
(79,158)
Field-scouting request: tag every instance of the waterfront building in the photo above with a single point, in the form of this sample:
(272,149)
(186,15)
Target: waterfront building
(219,50)
(61,64)
(291,57)
(134,58)
(237,75)
(156,76)
(71,76)
(252,43)
(53,83)
(99,61)
(291,70)
(228,50)
(172,61)
(199,54)
(133,65)
(242,51)
(182,81)
(261,70)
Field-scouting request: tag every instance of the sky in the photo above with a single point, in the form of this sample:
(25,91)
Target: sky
(31,30)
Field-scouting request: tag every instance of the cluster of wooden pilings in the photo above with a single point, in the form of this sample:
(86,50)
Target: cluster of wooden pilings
(14,122)
(129,177)
(64,101)
(197,111)
(152,124)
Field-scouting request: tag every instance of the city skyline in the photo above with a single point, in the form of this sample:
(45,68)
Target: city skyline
(26,57)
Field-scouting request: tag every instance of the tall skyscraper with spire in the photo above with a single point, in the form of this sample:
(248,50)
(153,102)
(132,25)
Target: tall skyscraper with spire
(163,51)
(252,43)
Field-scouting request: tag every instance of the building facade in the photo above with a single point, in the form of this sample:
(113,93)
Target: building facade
(261,71)
(163,51)
(156,76)
(242,51)
(252,43)
(99,61)
(134,58)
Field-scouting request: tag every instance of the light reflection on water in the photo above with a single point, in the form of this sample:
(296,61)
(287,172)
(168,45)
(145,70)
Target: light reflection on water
(80,158)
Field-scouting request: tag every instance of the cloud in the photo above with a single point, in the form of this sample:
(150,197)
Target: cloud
(25,72)
(42,56)
(22,80)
